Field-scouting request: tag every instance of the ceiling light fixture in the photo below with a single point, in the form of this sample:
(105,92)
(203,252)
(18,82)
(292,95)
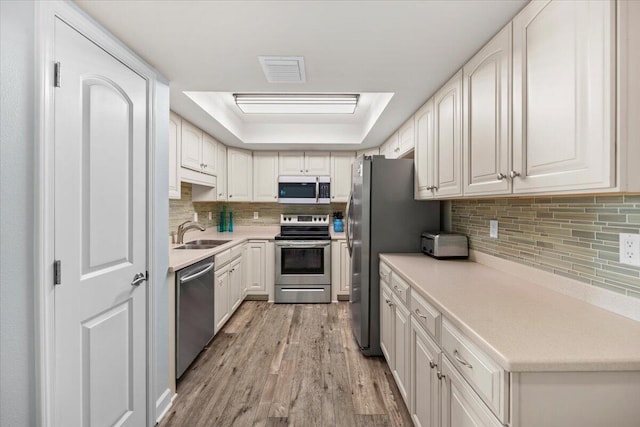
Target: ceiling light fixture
(296,103)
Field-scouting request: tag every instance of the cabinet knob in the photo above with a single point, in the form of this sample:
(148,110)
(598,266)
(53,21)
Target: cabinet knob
(440,375)
(205,165)
(501,176)
(514,174)
(432,365)
(230,195)
(201,164)
(307,170)
(301,170)
(275,197)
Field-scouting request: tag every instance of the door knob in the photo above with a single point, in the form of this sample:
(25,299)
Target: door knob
(138,278)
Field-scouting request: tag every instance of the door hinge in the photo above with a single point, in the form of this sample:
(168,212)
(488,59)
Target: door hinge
(56,74)
(57,272)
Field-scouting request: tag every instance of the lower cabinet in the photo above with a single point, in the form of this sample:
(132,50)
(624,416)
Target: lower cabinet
(256,266)
(229,291)
(425,385)
(221,312)
(401,340)
(236,284)
(340,270)
(386,324)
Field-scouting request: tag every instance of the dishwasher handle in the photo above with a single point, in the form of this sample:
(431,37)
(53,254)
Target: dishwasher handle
(196,275)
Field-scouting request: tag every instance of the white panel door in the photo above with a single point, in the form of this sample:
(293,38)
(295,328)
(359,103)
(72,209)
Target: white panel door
(221,298)
(209,155)
(389,148)
(100,146)
(265,176)
(345,269)
(191,147)
(256,266)
(341,176)
(386,326)
(406,137)
(448,143)
(563,91)
(425,387)
(424,157)
(291,163)
(402,340)
(236,287)
(239,175)
(317,163)
(174,155)
(487,118)
(221,178)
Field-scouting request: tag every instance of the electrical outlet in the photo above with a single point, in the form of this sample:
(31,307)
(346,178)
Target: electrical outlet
(256,215)
(493,229)
(630,249)
(210,216)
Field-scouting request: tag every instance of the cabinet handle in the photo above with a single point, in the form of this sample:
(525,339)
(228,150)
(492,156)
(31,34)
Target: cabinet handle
(457,356)
(514,174)
(501,176)
(440,375)
(396,288)
(388,301)
(432,364)
(420,314)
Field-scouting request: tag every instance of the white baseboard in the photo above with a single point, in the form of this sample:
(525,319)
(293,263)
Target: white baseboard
(163,404)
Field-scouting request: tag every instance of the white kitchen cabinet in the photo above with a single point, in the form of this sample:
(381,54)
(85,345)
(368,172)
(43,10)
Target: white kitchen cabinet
(221,298)
(447,103)
(424,152)
(487,118)
(368,152)
(256,266)
(191,146)
(265,176)
(345,269)
(175,142)
(563,96)
(341,176)
(236,286)
(425,385)
(401,341)
(406,138)
(222,172)
(340,270)
(239,175)
(304,163)
(386,324)
(209,155)
(389,147)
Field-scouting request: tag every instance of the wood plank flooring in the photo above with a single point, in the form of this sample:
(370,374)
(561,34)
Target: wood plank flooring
(287,365)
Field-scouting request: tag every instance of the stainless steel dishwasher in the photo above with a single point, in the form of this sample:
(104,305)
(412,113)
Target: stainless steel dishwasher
(194,312)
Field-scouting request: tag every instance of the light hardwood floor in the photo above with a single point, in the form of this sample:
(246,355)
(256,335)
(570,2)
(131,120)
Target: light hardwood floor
(287,365)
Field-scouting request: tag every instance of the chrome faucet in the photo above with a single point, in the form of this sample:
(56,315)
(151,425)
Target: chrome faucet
(182,228)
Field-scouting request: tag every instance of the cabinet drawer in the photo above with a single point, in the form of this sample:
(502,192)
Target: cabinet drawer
(483,374)
(385,273)
(400,288)
(222,258)
(426,315)
(236,251)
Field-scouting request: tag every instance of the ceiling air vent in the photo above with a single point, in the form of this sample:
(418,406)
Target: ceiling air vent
(283,69)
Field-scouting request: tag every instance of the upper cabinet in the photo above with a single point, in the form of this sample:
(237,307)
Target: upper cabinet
(222,172)
(265,176)
(368,152)
(341,175)
(174,155)
(209,155)
(563,94)
(447,104)
(406,138)
(424,153)
(304,163)
(487,117)
(239,175)
(199,150)
(389,147)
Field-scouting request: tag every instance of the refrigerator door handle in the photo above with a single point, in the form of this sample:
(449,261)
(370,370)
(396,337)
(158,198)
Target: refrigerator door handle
(347,224)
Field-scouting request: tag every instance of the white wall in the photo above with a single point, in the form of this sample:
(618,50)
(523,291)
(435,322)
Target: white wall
(17,362)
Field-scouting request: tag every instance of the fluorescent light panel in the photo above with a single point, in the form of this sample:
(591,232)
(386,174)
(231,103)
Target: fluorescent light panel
(302,103)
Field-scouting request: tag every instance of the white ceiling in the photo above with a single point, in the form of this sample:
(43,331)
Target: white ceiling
(408,48)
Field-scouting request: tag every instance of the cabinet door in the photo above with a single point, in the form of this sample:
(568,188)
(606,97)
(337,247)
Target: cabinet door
(345,269)
(447,104)
(221,298)
(402,343)
(341,176)
(209,155)
(236,291)
(424,152)
(191,154)
(563,91)
(291,163)
(386,326)
(174,155)
(390,147)
(317,163)
(460,406)
(239,175)
(256,266)
(406,137)
(265,176)
(222,172)
(487,115)
(370,152)
(425,386)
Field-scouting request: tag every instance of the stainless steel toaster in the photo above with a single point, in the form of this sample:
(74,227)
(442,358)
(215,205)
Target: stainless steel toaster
(443,245)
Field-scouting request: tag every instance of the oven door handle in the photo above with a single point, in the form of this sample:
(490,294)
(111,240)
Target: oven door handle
(297,244)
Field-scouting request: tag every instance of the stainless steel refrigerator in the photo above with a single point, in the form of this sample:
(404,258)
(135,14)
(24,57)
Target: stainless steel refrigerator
(382,216)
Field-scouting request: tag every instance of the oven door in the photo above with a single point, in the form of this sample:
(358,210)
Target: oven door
(303,262)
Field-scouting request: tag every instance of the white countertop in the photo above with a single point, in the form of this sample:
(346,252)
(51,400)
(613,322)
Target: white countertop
(523,326)
(181,258)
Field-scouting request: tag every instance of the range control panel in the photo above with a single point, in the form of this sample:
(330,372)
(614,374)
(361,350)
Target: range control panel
(288,219)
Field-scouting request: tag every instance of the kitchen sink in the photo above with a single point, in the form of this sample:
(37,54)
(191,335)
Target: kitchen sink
(202,244)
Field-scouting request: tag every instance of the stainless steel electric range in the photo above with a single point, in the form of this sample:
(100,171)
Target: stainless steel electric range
(303,259)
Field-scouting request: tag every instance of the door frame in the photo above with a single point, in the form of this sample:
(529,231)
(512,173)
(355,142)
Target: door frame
(45,15)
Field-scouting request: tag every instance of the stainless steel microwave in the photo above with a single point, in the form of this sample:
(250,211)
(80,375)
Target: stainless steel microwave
(304,190)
